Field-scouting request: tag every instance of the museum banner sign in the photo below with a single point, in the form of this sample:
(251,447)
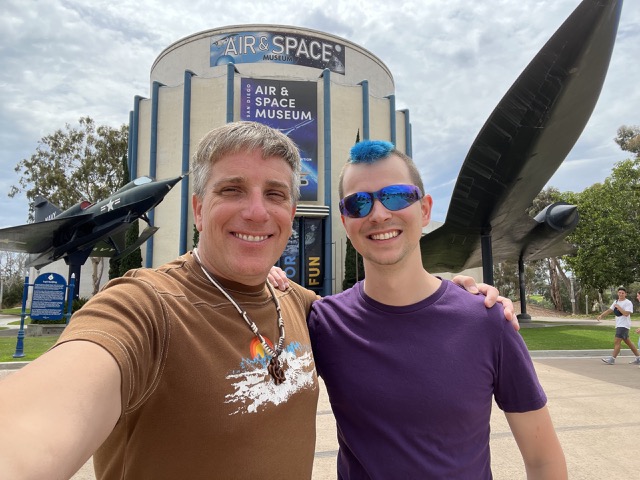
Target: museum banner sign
(277,47)
(291,107)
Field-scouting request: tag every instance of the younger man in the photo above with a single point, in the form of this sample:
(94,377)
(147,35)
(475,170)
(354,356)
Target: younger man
(622,308)
(412,363)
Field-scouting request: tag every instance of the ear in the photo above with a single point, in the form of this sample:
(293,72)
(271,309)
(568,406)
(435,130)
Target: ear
(293,216)
(196,205)
(425,204)
(344,224)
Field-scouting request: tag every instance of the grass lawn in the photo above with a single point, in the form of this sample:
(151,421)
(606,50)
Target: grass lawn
(568,337)
(562,337)
(33,347)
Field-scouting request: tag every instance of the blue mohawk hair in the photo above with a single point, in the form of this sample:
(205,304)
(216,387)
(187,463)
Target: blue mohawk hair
(368,151)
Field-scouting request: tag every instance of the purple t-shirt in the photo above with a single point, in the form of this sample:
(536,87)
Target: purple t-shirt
(411,387)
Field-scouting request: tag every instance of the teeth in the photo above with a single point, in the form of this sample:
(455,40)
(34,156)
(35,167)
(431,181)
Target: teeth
(385,236)
(251,238)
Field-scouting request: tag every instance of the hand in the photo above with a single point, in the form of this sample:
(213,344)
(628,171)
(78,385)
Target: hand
(278,278)
(492,297)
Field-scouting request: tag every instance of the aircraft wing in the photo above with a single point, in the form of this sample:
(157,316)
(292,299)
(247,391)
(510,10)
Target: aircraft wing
(115,245)
(35,237)
(523,143)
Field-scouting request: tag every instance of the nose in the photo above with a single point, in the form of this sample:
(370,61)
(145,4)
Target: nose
(255,209)
(378,212)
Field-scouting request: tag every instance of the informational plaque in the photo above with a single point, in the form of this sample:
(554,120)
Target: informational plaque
(49,291)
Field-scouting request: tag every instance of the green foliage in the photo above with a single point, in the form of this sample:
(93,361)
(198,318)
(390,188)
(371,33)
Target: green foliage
(607,233)
(628,139)
(78,303)
(196,236)
(114,268)
(80,162)
(134,259)
(537,273)
(114,263)
(12,292)
(118,267)
(353,267)
(505,279)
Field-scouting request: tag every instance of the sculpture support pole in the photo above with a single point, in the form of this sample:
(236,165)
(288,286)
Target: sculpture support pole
(523,316)
(487,255)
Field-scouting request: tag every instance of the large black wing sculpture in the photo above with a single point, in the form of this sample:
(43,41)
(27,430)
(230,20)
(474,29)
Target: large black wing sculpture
(519,148)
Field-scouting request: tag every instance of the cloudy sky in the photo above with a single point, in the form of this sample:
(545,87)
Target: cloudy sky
(452,62)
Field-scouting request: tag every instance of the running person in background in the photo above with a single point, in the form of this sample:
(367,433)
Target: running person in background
(622,308)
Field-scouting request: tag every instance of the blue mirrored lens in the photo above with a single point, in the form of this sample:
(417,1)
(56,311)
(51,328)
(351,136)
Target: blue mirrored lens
(393,197)
(357,205)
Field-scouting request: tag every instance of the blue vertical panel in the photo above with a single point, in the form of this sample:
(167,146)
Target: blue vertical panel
(153,158)
(129,145)
(365,109)
(313,241)
(133,161)
(328,257)
(407,133)
(231,70)
(392,118)
(186,140)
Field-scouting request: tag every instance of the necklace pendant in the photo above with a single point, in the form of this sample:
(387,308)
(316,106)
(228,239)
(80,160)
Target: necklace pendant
(276,371)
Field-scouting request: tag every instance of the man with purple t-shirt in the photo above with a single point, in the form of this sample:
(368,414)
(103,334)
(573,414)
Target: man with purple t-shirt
(411,362)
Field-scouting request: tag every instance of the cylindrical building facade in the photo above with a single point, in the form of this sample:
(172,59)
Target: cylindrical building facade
(321,90)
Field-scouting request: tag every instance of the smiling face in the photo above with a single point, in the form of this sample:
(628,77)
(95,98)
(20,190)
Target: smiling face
(385,237)
(244,216)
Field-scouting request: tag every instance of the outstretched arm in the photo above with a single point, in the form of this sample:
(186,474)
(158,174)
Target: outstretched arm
(605,313)
(539,445)
(64,405)
(279,279)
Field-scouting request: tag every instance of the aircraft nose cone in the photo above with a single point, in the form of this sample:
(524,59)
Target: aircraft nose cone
(562,216)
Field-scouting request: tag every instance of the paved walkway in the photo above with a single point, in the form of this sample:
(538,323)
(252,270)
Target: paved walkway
(595,409)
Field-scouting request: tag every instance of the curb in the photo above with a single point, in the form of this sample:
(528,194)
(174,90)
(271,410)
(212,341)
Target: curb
(12,365)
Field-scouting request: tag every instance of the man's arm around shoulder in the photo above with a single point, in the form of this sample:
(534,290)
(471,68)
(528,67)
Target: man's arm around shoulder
(539,445)
(56,411)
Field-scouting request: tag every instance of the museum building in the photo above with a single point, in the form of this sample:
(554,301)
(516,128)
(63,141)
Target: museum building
(323,91)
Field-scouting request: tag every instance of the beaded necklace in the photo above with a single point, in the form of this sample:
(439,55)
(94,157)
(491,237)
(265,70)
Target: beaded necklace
(275,365)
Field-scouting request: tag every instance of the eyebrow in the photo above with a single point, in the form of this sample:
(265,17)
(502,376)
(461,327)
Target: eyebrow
(238,180)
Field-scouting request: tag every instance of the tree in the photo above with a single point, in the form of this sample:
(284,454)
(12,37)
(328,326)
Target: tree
(353,267)
(134,259)
(557,280)
(12,273)
(353,264)
(629,139)
(607,233)
(72,164)
(118,267)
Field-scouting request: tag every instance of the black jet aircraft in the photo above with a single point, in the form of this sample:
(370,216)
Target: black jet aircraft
(87,230)
(519,148)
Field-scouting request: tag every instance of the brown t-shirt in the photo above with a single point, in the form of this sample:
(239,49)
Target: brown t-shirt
(197,401)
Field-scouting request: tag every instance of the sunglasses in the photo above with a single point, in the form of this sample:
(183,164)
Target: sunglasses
(393,197)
